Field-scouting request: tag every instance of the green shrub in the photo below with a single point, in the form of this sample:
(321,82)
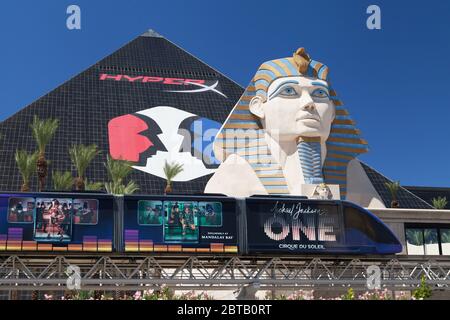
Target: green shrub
(423,292)
(350,295)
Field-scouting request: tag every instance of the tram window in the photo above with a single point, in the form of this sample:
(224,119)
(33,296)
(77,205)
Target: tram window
(358,220)
(85,211)
(445,241)
(21,210)
(53,219)
(210,214)
(150,213)
(181,221)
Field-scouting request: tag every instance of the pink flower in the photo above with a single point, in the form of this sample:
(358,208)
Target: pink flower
(137,295)
(148,292)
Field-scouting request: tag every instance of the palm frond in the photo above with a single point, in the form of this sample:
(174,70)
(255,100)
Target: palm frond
(118,170)
(62,181)
(130,188)
(121,189)
(439,202)
(445,236)
(82,156)
(110,187)
(415,237)
(93,186)
(393,188)
(26,163)
(171,170)
(43,131)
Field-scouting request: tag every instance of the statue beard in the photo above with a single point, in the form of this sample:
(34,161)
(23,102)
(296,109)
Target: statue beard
(310,154)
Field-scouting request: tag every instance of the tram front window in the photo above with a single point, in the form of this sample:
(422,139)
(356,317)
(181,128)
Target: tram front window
(363,229)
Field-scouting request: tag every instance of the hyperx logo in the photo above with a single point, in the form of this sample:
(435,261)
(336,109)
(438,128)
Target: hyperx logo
(202,85)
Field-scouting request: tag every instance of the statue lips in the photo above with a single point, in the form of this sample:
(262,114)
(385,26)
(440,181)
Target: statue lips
(125,141)
(309,119)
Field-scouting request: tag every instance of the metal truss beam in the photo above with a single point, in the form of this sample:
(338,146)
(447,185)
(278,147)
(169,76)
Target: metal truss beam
(119,273)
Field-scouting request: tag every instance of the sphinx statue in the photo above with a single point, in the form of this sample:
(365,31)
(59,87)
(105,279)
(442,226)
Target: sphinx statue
(288,134)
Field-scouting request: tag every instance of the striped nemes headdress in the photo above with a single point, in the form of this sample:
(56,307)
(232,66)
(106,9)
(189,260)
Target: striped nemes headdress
(243,134)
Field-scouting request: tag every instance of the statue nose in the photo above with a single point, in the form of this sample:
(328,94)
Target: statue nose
(310,107)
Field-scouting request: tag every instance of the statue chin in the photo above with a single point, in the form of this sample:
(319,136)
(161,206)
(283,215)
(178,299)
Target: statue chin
(310,134)
(295,133)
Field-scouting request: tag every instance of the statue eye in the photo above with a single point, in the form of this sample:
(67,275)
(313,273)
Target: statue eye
(288,92)
(320,93)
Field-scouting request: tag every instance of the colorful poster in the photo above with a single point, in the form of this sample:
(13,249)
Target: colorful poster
(150,213)
(53,219)
(210,214)
(21,210)
(181,223)
(85,211)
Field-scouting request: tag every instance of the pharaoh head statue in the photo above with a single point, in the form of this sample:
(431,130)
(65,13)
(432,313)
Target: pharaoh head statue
(290,102)
(291,99)
(322,192)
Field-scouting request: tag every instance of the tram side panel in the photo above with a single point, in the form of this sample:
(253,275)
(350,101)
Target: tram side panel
(180,224)
(55,222)
(290,226)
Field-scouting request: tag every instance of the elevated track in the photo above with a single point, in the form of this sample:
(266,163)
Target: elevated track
(114,272)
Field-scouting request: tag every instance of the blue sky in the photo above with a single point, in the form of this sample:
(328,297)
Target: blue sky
(394,81)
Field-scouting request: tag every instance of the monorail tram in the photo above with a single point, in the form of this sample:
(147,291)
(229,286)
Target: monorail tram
(189,224)
(314,226)
(173,223)
(56,222)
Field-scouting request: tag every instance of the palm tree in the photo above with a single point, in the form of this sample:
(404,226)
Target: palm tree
(171,170)
(118,170)
(62,181)
(43,131)
(81,157)
(93,186)
(393,188)
(439,202)
(27,166)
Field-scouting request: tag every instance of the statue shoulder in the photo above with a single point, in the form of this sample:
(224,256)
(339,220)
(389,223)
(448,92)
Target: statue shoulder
(235,177)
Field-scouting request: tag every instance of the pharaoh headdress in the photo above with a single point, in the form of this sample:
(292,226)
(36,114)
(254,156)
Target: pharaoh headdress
(243,134)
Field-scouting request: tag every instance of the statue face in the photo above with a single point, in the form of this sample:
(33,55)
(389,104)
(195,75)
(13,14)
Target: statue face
(323,193)
(296,107)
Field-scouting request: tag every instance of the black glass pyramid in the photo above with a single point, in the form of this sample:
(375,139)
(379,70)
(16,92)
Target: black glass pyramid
(406,198)
(111,98)
(86,104)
